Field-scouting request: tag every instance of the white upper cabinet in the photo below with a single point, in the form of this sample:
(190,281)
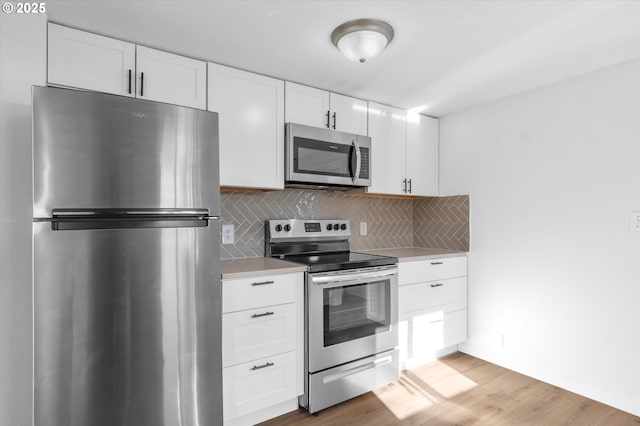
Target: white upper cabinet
(319,108)
(387,130)
(89,61)
(348,114)
(404,152)
(174,79)
(92,62)
(306,105)
(422,155)
(251,120)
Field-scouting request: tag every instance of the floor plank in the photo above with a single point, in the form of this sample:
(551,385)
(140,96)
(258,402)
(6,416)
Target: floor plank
(466,391)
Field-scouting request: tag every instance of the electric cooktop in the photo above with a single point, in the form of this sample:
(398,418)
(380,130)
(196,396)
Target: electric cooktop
(322,245)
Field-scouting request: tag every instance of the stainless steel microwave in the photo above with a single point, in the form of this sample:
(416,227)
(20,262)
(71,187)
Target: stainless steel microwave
(322,158)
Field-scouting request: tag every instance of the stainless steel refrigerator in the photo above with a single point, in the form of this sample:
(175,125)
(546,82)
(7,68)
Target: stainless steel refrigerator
(126,240)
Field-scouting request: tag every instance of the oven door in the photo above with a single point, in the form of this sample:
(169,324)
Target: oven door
(322,156)
(351,314)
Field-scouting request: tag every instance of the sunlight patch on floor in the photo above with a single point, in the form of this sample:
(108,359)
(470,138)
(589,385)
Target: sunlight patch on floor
(422,388)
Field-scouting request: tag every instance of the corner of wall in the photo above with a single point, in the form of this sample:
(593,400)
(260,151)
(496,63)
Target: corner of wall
(23,44)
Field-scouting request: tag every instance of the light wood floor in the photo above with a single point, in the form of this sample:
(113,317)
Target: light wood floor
(462,390)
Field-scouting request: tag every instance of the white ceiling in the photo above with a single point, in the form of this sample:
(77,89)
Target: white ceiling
(446,55)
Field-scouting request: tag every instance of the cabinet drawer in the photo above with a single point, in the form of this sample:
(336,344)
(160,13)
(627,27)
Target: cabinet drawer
(257,333)
(250,293)
(445,295)
(258,384)
(430,270)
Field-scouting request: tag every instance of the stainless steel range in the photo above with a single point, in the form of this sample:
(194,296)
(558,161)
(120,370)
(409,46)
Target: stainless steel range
(351,318)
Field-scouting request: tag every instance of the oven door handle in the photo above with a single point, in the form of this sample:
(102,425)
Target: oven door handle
(353,278)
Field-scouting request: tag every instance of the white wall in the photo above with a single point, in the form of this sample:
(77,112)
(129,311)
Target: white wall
(554,269)
(22,64)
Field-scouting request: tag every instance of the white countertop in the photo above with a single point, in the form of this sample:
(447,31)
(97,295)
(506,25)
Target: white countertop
(410,254)
(256,266)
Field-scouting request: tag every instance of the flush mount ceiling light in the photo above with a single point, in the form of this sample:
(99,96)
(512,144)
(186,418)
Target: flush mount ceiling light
(362,39)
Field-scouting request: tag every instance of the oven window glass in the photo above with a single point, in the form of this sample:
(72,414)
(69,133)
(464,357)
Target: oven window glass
(356,311)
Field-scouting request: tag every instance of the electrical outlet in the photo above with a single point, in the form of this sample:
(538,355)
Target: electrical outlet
(363,228)
(635,221)
(228,236)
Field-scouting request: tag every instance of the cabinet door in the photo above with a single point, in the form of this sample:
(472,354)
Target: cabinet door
(422,154)
(251,114)
(350,114)
(258,333)
(422,334)
(89,61)
(388,150)
(306,105)
(174,79)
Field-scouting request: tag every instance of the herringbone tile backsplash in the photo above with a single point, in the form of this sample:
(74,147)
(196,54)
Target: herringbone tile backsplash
(441,222)
(390,221)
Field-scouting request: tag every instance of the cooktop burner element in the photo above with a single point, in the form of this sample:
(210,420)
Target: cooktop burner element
(322,245)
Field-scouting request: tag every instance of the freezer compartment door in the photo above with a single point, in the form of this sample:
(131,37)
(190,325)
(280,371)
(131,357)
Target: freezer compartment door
(127,326)
(94,150)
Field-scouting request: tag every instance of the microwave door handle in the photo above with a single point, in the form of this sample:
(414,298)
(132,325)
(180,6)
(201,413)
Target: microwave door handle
(356,149)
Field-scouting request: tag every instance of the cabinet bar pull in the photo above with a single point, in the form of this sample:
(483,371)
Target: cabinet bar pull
(141,84)
(328,119)
(409,186)
(258,367)
(266,314)
(334,120)
(437,263)
(437,285)
(404,185)
(129,81)
(264,283)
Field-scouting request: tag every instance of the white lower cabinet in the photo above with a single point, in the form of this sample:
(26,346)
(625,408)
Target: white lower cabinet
(262,346)
(255,333)
(258,384)
(432,308)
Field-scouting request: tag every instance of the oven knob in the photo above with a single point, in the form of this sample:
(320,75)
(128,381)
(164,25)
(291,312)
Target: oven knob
(287,227)
(278,228)
(343,226)
(329,227)
(335,226)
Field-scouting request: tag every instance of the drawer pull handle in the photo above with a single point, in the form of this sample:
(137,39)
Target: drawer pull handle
(437,263)
(264,283)
(266,314)
(258,367)
(437,285)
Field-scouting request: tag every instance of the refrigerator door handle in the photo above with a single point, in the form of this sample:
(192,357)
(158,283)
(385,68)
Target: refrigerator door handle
(77,219)
(128,213)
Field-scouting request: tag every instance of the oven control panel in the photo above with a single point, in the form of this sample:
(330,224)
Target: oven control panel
(308,229)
